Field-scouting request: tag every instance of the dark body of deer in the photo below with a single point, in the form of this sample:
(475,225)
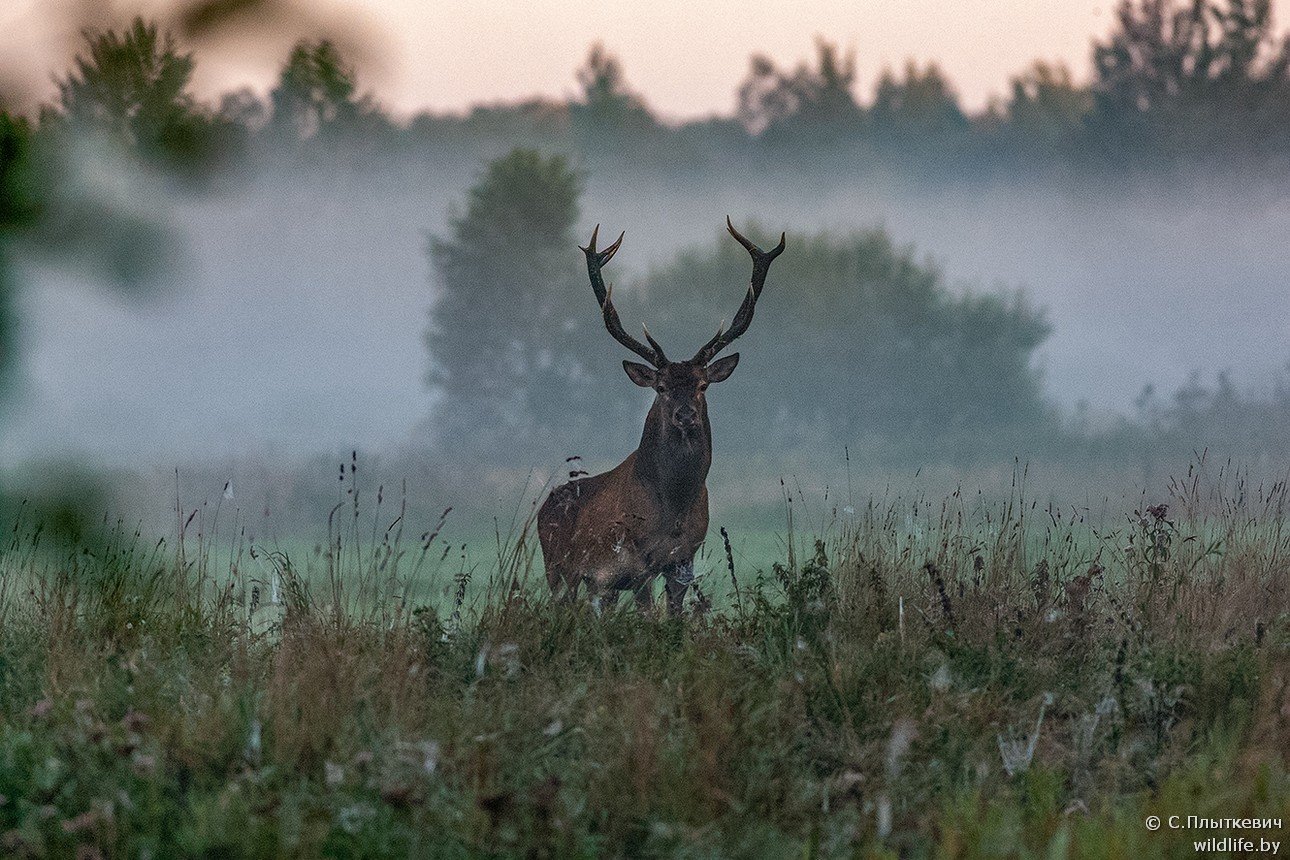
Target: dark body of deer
(647,517)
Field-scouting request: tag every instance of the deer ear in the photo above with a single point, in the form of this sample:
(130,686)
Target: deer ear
(721,369)
(641,374)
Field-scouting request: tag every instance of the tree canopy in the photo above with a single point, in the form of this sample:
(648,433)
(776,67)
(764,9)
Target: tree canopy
(1174,82)
(133,86)
(893,351)
(512,322)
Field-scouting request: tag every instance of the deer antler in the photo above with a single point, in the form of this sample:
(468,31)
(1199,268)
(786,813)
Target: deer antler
(761,265)
(604,295)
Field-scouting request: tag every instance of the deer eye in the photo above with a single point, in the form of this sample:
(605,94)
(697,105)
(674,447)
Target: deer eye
(703,386)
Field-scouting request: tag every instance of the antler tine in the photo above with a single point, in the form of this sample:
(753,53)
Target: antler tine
(653,343)
(595,260)
(608,254)
(753,249)
(743,317)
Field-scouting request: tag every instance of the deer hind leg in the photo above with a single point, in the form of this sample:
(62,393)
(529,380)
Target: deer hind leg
(602,599)
(564,587)
(645,596)
(678,579)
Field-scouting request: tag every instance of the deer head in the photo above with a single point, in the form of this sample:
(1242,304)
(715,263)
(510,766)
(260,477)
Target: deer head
(680,385)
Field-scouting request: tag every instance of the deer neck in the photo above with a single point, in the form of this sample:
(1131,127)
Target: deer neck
(674,466)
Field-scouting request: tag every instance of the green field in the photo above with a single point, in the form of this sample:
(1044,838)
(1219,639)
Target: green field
(948,678)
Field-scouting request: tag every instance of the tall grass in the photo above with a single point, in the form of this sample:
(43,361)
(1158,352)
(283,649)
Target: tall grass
(910,677)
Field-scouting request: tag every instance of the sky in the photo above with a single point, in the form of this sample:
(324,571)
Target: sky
(686,57)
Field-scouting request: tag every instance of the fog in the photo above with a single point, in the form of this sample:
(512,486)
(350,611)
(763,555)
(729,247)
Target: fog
(1087,276)
(294,318)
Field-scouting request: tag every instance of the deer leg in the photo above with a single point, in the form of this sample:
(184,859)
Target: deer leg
(645,596)
(596,596)
(564,588)
(675,597)
(678,581)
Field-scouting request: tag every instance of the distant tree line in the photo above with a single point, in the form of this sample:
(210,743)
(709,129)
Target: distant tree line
(1254,425)
(1175,82)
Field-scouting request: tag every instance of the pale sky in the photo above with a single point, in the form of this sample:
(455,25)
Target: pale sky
(685,57)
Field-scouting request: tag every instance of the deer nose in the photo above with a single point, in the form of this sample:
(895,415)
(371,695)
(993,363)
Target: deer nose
(686,415)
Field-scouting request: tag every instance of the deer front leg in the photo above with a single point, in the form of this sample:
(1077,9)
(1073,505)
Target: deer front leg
(645,596)
(564,588)
(678,579)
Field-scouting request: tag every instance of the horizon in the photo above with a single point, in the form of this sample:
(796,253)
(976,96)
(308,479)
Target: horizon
(681,79)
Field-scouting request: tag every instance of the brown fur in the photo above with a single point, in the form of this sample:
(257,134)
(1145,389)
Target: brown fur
(646,517)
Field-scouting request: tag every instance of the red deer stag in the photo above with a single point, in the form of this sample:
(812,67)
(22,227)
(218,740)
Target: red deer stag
(647,517)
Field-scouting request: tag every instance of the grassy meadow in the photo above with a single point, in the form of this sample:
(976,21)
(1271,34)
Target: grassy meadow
(254,280)
(926,677)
